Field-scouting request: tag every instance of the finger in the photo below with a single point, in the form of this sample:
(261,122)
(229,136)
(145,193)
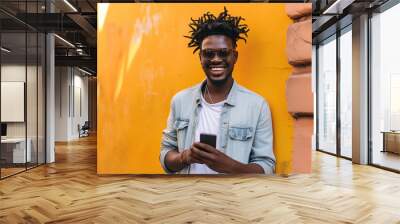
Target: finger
(197,161)
(204,147)
(203,154)
(195,158)
(195,153)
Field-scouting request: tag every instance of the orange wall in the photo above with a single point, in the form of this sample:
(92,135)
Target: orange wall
(143,60)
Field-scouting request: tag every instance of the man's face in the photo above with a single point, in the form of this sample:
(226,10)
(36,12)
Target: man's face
(218,57)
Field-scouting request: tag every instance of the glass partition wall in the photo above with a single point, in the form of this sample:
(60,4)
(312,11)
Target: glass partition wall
(334,80)
(326,57)
(22,87)
(13,109)
(345,92)
(385,89)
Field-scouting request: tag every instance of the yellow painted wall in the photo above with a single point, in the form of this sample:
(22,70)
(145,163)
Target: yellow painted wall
(143,60)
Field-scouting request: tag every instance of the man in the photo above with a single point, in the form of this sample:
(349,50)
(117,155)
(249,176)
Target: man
(239,118)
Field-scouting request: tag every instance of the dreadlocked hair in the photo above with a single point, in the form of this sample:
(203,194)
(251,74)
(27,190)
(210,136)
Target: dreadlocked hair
(224,24)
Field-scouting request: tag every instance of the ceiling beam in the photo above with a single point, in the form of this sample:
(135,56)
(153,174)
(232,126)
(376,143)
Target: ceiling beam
(84,24)
(83,61)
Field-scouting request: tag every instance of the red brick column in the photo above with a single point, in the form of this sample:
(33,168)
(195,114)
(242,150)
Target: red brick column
(298,87)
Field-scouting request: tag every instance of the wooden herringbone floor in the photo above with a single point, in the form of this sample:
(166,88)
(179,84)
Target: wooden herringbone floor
(69,191)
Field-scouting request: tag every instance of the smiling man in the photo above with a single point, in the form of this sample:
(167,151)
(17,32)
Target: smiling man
(239,118)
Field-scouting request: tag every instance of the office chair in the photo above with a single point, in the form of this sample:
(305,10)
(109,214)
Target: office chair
(84,130)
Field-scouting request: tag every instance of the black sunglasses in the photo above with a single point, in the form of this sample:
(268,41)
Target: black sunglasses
(210,53)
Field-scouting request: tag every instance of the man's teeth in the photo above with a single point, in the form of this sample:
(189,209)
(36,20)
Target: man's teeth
(217,69)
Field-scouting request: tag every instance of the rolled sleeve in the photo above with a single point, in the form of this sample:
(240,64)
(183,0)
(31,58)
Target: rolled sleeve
(169,139)
(262,151)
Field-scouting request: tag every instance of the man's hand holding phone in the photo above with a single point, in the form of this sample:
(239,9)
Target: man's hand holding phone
(189,156)
(206,152)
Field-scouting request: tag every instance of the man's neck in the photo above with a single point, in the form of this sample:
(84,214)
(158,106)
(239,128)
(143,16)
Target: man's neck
(218,93)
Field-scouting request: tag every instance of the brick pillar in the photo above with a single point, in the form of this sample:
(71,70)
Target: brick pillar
(298,87)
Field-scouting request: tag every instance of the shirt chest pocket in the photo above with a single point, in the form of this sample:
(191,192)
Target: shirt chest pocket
(239,143)
(240,133)
(181,127)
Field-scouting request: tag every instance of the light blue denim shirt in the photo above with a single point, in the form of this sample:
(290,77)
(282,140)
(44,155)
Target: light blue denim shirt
(245,129)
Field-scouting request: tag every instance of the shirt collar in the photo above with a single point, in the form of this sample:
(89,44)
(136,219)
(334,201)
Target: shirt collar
(231,99)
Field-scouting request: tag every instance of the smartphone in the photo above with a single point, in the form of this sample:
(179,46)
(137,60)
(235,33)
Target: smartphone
(208,139)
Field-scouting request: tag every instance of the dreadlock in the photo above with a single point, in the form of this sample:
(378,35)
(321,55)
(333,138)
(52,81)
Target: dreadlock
(224,24)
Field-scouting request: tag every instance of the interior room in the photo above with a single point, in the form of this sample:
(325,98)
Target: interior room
(341,101)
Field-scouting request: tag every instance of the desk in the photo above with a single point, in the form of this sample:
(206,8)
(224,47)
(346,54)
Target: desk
(15,148)
(391,141)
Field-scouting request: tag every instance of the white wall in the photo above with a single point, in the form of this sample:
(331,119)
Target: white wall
(61,103)
(71,102)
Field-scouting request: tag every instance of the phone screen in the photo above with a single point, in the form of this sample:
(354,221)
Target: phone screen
(208,139)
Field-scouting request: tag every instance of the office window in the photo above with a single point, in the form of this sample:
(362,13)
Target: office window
(346,92)
(385,89)
(327,95)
